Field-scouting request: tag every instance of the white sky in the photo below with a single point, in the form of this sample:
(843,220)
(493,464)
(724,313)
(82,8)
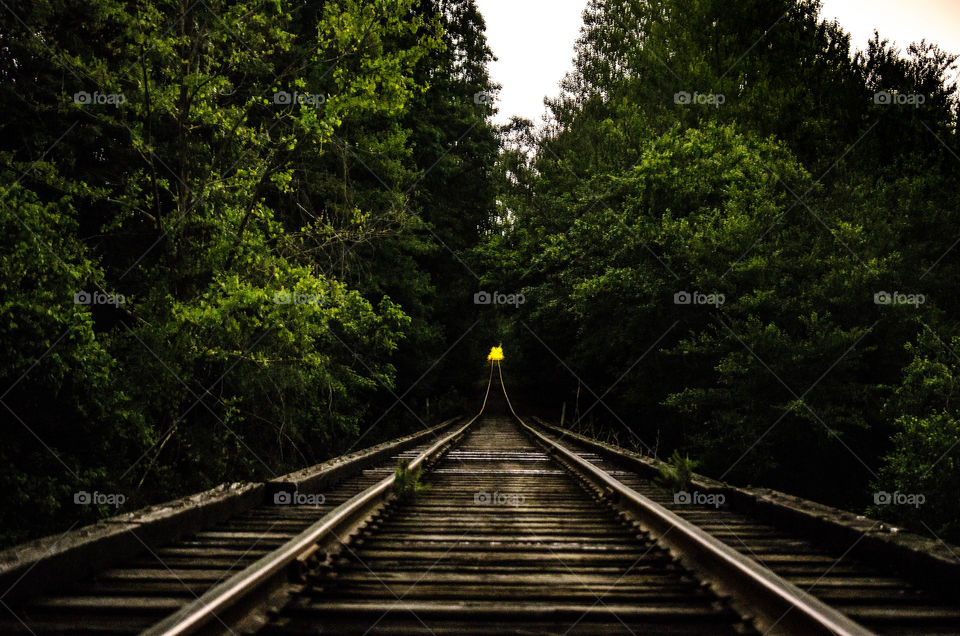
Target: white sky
(533,39)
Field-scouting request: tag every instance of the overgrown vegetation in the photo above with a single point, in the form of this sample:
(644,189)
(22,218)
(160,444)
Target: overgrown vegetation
(676,474)
(408,482)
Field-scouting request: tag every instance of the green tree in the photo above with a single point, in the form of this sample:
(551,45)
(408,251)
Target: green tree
(185,157)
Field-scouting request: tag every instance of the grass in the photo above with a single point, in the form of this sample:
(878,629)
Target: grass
(408,483)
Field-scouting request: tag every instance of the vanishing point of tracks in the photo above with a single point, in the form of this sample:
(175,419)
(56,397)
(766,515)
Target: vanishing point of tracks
(522,530)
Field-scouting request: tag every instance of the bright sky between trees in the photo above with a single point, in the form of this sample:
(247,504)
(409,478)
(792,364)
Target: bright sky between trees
(533,39)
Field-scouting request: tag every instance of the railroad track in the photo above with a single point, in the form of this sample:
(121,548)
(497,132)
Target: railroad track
(873,595)
(504,541)
(162,576)
(524,528)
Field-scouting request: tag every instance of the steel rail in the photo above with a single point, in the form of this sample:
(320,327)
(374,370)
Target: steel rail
(775,605)
(222,598)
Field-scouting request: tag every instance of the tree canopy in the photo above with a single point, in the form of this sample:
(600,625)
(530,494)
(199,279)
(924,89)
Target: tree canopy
(736,238)
(240,237)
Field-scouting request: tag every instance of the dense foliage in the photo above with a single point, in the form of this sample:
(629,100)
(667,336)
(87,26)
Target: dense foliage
(702,228)
(243,236)
(222,229)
